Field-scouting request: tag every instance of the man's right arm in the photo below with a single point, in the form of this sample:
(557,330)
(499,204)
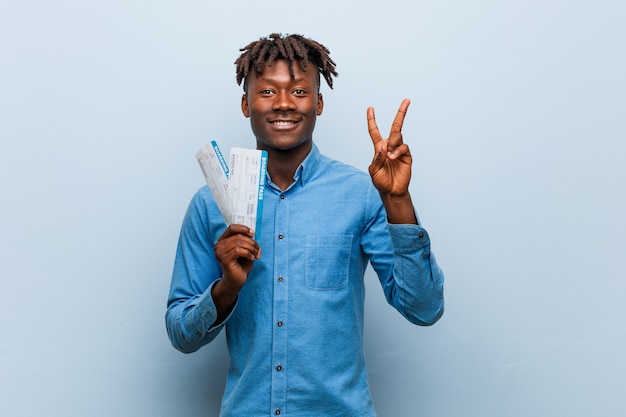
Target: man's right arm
(206,278)
(190,309)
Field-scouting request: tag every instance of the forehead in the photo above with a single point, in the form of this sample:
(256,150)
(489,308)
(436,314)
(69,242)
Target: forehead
(278,71)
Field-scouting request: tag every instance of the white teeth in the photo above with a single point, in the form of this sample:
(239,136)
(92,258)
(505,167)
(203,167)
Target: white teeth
(282,123)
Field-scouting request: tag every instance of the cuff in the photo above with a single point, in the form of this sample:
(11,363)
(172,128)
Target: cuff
(406,238)
(207,312)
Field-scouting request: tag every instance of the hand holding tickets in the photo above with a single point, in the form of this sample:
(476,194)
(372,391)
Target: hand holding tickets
(237,188)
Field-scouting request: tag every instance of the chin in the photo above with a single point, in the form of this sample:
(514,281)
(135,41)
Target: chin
(283,145)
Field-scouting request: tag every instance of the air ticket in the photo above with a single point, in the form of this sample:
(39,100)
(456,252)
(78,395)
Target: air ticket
(216,172)
(237,188)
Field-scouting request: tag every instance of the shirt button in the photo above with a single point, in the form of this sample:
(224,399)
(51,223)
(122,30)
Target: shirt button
(421,235)
(277,412)
(282,196)
(279,368)
(280,279)
(280,236)
(280,323)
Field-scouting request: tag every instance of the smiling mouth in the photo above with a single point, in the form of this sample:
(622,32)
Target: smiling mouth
(282,123)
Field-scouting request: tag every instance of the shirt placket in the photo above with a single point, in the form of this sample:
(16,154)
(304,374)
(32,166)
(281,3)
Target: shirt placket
(280,303)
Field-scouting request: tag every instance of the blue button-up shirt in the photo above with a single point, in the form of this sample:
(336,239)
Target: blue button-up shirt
(295,336)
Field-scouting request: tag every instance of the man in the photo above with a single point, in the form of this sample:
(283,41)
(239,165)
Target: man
(292,298)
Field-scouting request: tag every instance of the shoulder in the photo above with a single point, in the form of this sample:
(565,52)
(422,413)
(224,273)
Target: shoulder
(202,205)
(203,217)
(202,199)
(345,181)
(341,170)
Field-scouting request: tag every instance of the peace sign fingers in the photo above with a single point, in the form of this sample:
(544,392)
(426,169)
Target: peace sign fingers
(396,126)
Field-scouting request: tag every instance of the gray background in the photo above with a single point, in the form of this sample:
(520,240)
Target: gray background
(517,127)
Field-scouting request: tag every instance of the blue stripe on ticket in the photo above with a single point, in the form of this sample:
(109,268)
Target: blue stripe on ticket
(259,208)
(220,157)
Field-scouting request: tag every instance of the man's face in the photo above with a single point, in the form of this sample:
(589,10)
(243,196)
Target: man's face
(282,111)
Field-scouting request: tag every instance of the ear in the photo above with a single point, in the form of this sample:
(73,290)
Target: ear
(320,104)
(244,106)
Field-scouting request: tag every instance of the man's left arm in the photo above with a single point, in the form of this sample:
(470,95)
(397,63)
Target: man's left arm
(416,286)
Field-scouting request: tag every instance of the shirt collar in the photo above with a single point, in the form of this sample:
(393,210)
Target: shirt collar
(308,167)
(305,171)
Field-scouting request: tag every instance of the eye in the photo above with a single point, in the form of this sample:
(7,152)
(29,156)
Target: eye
(265,92)
(299,92)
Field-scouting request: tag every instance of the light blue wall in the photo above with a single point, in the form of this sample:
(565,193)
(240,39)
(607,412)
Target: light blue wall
(517,125)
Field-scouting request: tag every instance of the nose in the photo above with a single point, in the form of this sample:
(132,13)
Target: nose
(284,101)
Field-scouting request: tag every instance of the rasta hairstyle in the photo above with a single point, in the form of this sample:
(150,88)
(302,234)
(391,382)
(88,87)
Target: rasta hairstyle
(292,48)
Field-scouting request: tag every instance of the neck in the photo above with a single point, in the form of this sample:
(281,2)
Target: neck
(282,164)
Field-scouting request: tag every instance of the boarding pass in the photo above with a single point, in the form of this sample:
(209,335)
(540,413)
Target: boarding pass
(238,185)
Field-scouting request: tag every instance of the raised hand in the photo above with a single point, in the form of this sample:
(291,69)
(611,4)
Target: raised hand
(391,166)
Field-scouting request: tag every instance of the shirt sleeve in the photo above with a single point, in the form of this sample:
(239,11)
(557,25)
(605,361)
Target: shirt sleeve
(191,312)
(407,269)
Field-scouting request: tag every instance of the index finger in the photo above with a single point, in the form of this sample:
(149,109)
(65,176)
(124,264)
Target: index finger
(396,126)
(235,229)
(372,127)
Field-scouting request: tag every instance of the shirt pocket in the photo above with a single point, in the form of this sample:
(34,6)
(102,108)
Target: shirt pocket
(327,261)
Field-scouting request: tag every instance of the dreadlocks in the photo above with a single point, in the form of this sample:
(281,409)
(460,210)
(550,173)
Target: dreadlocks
(292,48)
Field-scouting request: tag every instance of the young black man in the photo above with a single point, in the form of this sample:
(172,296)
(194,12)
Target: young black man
(292,298)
